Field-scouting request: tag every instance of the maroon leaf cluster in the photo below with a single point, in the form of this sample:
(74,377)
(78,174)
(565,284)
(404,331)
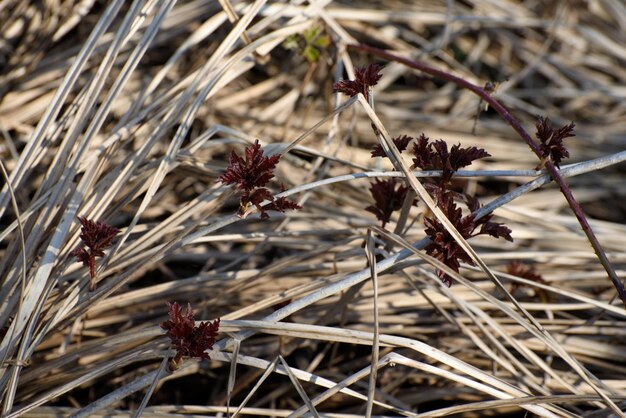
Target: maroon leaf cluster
(387,198)
(444,247)
(435,156)
(251,174)
(427,156)
(97,237)
(401,143)
(364,77)
(389,195)
(494,229)
(281,204)
(189,339)
(516,268)
(551,141)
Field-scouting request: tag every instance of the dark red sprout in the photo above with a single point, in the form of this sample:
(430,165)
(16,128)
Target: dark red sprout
(256,170)
(401,143)
(364,77)
(189,339)
(256,197)
(97,237)
(494,229)
(281,204)
(435,156)
(251,174)
(551,139)
(444,247)
(517,268)
(387,198)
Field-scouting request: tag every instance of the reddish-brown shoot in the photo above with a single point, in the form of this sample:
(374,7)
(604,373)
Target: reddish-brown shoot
(251,173)
(364,78)
(387,197)
(97,237)
(189,339)
(401,143)
(444,247)
(436,156)
(551,140)
(517,268)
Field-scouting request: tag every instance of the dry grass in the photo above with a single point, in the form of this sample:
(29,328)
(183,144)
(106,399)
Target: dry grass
(127,112)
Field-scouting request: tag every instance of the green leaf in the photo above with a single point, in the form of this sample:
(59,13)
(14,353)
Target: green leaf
(311,53)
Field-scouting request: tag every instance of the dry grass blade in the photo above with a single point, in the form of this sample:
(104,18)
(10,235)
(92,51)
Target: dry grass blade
(119,394)
(385,360)
(13,383)
(232,373)
(150,391)
(371,259)
(268,370)
(298,386)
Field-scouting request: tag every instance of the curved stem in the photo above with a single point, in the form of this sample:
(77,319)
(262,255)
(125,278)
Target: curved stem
(511,120)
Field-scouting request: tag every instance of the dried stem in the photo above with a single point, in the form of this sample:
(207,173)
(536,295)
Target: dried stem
(92,272)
